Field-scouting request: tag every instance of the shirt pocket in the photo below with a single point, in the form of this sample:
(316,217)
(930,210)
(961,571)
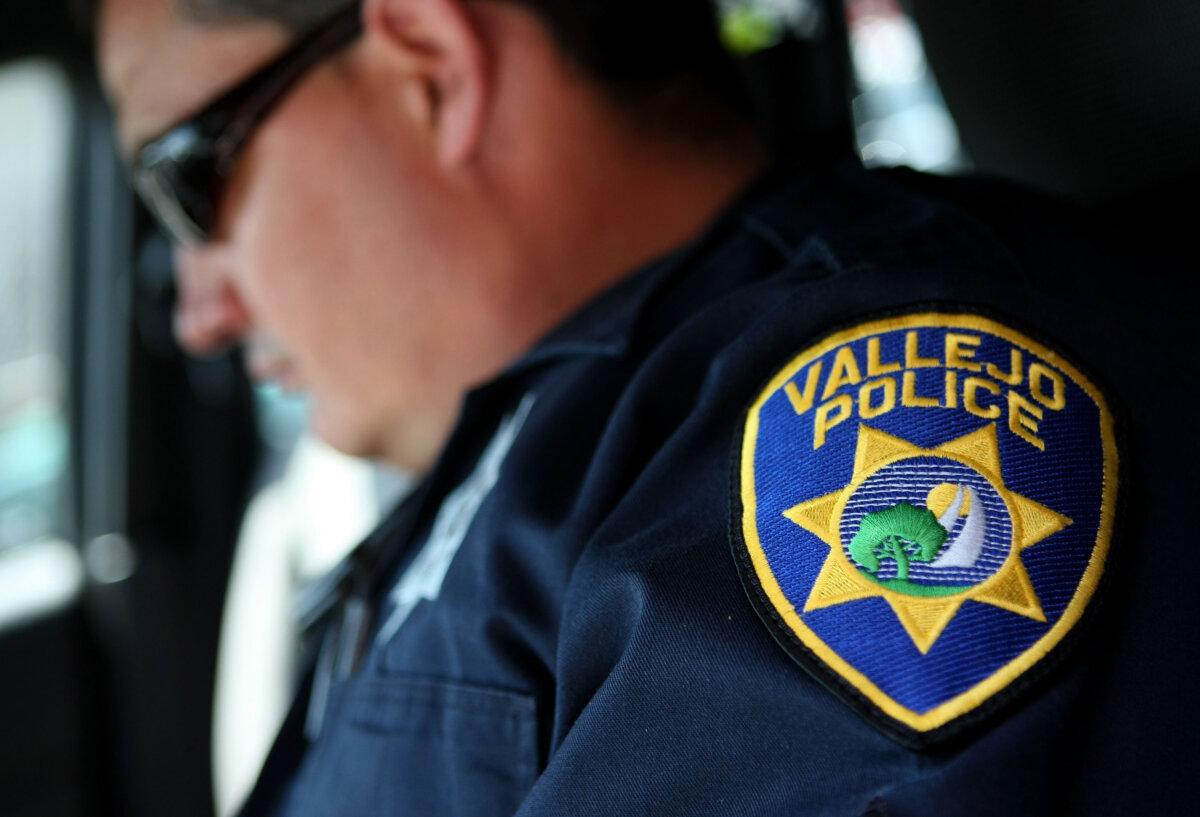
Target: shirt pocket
(401,746)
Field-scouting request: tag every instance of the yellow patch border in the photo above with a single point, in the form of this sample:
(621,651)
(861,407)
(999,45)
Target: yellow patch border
(974,697)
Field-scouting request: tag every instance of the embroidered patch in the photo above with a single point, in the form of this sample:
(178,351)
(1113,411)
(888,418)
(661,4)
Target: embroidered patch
(926,507)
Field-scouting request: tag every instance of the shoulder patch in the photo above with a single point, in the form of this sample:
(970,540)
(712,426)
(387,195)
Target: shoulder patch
(926,504)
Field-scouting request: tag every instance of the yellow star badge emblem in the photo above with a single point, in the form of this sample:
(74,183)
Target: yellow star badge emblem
(925,616)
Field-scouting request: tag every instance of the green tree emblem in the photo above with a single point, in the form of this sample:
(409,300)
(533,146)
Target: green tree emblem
(903,533)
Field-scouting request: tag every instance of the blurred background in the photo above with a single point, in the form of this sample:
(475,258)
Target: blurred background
(158,515)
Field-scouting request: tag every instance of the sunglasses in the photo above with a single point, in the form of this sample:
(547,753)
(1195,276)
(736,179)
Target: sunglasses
(181,173)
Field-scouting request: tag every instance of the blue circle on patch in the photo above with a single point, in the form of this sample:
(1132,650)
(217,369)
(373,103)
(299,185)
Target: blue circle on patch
(975,518)
(927,504)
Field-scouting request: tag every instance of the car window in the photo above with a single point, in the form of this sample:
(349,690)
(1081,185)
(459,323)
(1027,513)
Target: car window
(900,115)
(38,570)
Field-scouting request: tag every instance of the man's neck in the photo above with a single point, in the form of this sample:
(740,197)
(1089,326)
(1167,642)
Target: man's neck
(617,211)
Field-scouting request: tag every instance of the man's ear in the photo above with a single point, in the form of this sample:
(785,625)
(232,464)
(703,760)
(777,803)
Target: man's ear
(438,46)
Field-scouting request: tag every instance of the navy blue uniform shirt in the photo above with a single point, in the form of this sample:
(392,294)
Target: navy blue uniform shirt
(572,625)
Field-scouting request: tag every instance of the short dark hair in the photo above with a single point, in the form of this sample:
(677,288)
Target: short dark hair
(660,59)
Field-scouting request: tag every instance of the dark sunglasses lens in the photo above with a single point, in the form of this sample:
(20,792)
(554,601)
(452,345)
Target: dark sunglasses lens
(179,187)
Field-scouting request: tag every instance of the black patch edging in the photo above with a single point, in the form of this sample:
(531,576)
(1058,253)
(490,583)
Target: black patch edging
(966,726)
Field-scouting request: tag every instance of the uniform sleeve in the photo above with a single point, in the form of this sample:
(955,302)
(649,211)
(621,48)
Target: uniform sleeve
(963,411)
(673,699)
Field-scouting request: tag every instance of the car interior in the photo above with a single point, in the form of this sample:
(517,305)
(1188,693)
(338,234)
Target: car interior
(159,513)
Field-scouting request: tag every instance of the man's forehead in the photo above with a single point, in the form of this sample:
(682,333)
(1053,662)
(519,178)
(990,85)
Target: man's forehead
(159,66)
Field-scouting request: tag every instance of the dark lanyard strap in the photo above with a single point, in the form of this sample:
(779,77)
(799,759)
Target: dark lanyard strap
(337,612)
(284,758)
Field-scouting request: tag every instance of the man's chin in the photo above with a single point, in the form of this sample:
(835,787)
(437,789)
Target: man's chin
(343,434)
(401,442)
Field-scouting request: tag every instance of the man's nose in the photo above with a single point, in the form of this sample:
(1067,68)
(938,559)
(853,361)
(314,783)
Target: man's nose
(210,314)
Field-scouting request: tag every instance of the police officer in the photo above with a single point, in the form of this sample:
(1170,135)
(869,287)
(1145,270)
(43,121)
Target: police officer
(747,489)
